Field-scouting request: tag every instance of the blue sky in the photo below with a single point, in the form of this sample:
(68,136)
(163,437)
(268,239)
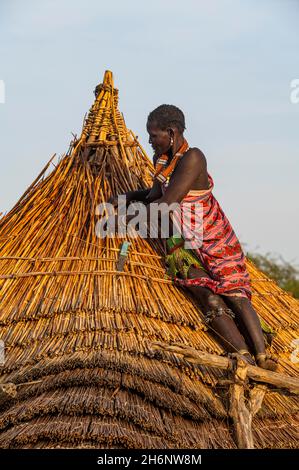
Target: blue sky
(227,63)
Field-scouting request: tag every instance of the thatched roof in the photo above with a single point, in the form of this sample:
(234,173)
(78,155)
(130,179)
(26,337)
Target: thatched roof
(78,334)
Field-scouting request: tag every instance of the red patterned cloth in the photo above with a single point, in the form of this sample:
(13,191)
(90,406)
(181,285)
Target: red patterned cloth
(220,253)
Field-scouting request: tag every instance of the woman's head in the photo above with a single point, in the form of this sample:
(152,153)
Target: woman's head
(164,124)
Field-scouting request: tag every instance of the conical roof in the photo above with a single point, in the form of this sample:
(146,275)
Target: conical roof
(78,334)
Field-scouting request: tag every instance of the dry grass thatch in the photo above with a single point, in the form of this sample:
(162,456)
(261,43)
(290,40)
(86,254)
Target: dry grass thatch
(78,337)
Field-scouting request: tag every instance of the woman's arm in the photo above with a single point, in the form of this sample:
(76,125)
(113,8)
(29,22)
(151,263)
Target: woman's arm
(154,193)
(138,195)
(143,195)
(146,195)
(188,170)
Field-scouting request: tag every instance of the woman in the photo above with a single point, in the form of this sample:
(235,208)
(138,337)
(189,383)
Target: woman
(215,272)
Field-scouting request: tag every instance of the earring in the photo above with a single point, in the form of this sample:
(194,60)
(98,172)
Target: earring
(171,141)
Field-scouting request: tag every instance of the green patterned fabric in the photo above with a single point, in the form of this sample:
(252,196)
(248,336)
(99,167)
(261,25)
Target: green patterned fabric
(180,260)
(269,333)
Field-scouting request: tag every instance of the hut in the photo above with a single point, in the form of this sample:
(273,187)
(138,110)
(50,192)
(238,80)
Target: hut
(97,357)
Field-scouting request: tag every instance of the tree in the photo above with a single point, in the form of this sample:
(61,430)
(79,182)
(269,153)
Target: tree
(283,272)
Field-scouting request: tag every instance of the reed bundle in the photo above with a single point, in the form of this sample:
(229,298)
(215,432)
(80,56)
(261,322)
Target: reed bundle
(78,333)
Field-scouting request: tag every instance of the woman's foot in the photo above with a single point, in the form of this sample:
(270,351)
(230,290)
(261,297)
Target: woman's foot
(245,355)
(265,361)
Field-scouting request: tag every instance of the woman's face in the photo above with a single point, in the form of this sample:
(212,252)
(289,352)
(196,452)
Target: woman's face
(158,138)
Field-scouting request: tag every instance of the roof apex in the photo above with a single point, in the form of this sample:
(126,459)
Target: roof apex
(104,123)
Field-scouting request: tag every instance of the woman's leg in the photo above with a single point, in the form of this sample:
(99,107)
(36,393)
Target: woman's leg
(250,326)
(218,316)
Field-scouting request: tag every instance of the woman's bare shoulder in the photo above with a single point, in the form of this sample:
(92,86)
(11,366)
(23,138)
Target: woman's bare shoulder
(196,156)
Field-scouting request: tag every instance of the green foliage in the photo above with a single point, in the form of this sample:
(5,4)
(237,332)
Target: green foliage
(283,272)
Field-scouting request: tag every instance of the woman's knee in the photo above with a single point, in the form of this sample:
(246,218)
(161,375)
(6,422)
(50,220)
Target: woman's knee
(214,301)
(238,304)
(206,296)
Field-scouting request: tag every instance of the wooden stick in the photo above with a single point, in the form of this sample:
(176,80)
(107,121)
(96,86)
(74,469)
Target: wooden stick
(255,373)
(238,411)
(242,409)
(75,273)
(77,258)
(8,390)
(105,143)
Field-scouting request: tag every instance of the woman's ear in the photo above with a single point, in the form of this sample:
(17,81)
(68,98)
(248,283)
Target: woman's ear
(170,132)
(171,136)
